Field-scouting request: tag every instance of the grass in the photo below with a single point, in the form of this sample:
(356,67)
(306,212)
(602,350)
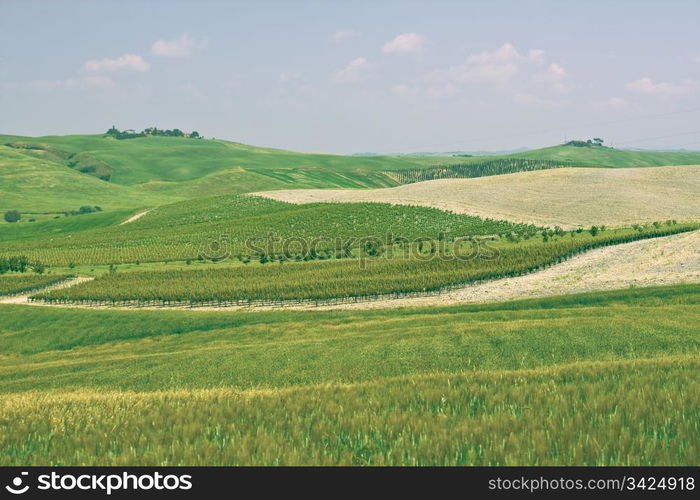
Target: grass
(593,379)
(152,350)
(584,414)
(408,273)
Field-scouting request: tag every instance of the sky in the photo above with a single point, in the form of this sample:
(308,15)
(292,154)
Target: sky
(360,76)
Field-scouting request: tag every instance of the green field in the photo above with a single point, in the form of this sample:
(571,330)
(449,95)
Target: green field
(413,271)
(183,230)
(593,379)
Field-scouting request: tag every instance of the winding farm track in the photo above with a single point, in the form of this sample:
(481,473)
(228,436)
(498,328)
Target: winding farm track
(23,298)
(660,261)
(135,217)
(568,197)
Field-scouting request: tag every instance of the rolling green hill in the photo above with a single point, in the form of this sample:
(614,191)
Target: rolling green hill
(63,172)
(611,158)
(32,184)
(58,173)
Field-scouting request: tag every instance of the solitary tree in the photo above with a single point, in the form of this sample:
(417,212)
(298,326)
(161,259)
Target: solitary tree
(13,216)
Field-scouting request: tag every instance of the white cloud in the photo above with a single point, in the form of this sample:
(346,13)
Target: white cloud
(286,77)
(536,55)
(402,90)
(405,43)
(646,85)
(554,73)
(508,69)
(506,53)
(75,83)
(344,34)
(180,47)
(353,72)
(127,62)
(497,66)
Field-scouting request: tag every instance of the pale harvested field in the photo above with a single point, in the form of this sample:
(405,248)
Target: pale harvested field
(660,261)
(567,197)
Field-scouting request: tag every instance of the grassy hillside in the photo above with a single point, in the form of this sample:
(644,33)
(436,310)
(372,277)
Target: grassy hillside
(154,170)
(610,157)
(50,228)
(575,380)
(31,184)
(145,159)
(63,172)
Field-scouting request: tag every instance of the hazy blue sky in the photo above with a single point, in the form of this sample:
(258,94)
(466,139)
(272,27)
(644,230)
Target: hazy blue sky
(357,76)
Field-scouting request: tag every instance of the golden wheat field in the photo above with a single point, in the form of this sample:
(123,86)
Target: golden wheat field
(593,413)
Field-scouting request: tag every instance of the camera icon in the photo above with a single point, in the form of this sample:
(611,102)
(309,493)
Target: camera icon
(217,250)
(16,488)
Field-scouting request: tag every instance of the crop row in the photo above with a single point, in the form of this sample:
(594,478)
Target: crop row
(14,284)
(347,278)
(474,169)
(226,226)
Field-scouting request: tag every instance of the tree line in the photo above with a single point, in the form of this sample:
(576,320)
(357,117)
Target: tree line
(153,131)
(484,168)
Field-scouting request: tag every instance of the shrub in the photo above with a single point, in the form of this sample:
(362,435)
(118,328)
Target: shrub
(13,216)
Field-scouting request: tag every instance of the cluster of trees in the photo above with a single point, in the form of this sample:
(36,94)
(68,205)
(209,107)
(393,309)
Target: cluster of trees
(596,141)
(155,131)
(87,209)
(16,216)
(20,264)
